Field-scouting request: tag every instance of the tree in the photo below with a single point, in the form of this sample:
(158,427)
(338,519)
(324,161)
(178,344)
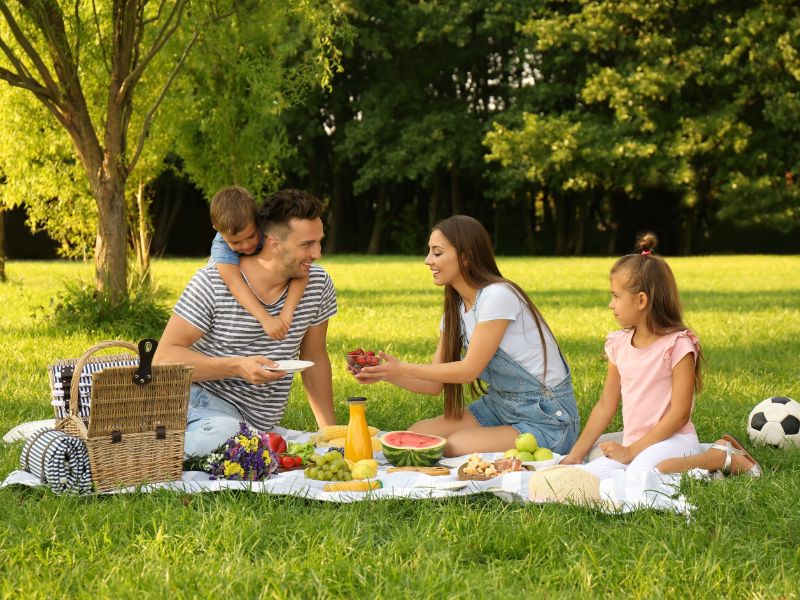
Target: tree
(145,81)
(245,74)
(399,137)
(696,98)
(90,64)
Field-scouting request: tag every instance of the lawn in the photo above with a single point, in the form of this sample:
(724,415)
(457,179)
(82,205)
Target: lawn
(741,542)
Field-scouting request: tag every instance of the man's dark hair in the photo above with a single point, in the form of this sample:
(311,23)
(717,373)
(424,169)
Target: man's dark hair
(280,207)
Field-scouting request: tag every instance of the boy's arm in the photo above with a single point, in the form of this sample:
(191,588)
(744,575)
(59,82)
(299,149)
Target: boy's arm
(244,295)
(175,347)
(297,287)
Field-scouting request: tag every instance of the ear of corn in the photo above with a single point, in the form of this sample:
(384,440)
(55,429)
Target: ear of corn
(376,444)
(327,435)
(331,432)
(353,486)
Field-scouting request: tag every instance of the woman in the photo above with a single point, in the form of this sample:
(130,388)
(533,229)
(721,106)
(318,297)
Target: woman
(507,345)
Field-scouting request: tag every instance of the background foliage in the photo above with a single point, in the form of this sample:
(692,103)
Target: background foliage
(565,127)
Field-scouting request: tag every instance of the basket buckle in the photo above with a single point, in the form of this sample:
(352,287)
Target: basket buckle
(144,374)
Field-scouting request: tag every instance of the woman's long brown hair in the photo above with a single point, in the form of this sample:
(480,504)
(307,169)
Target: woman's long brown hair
(479,269)
(649,273)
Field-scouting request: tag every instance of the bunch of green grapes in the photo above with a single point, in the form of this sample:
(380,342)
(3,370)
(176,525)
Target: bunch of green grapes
(330,466)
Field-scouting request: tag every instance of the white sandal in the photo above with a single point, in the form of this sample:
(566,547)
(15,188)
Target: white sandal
(733,447)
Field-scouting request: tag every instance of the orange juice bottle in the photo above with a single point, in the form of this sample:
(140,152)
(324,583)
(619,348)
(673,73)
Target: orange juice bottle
(357,444)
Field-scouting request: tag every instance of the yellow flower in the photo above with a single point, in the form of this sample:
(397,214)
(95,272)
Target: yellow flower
(267,458)
(232,468)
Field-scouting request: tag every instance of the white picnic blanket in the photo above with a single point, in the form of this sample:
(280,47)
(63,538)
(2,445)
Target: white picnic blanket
(625,493)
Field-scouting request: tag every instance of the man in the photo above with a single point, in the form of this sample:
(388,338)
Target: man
(227,346)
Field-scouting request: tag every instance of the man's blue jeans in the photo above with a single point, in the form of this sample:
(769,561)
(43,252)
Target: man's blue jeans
(209,423)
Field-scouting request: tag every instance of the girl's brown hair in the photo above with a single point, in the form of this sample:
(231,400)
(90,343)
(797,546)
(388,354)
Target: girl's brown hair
(650,273)
(479,269)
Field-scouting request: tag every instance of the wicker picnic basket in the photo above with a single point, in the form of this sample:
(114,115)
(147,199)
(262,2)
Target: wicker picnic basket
(137,419)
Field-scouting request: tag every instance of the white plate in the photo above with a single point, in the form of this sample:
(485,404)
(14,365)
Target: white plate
(291,366)
(543,464)
(457,461)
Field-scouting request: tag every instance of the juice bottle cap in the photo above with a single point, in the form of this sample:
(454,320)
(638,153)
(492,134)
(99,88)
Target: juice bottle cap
(356,400)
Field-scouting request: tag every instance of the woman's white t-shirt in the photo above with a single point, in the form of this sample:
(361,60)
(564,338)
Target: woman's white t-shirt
(521,340)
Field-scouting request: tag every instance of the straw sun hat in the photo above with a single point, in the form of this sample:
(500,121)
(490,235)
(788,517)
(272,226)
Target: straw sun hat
(568,484)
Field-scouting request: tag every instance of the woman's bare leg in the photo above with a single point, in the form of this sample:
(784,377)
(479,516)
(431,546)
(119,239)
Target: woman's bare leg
(465,435)
(710,460)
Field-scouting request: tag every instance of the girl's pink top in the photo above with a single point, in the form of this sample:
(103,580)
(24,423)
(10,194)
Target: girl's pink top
(646,377)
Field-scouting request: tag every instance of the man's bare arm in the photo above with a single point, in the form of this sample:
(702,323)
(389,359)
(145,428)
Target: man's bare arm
(317,380)
(174,347)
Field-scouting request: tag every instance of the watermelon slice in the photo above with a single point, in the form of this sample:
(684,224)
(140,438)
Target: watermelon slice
(409,449)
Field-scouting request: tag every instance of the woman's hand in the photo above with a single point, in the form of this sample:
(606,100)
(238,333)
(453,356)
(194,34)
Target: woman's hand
(391,368)
(617,452)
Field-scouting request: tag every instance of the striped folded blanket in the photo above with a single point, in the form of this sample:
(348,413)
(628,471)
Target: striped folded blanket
(59,459)
(61,379)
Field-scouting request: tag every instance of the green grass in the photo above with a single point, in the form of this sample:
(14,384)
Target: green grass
(741,542)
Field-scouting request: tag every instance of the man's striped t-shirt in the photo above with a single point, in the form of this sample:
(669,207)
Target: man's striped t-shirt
(229,330)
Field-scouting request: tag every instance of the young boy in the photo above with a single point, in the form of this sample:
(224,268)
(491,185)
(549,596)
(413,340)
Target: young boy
(233,215)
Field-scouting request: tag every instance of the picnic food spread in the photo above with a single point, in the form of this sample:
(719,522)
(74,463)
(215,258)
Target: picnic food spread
(409,449)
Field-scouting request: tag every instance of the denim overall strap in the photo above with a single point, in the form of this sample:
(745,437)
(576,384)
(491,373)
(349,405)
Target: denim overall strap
(551,411)
(503,373)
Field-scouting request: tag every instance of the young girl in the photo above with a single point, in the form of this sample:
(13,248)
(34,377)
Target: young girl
(654,366)
(508,346)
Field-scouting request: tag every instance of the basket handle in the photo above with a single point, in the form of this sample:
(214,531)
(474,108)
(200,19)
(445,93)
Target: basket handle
(74,393)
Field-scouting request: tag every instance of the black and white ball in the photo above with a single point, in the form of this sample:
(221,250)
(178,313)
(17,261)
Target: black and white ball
(775,422)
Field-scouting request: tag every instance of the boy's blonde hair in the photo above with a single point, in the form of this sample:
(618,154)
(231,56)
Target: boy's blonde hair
(232,210)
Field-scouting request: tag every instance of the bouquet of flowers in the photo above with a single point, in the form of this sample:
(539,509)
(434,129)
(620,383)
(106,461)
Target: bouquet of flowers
(245,456)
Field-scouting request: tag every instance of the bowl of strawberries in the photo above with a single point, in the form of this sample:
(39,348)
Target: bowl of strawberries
(358,358)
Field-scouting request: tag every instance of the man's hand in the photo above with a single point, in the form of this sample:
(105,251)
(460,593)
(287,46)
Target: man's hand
(251,369)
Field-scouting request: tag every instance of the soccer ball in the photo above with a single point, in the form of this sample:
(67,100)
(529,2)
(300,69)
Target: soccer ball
(775,422)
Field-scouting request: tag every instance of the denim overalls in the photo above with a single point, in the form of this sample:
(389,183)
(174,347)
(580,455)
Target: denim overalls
(517,398)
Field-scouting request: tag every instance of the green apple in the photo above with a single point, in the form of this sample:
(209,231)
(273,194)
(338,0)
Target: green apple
(511,453)
(524,457)
(543,454)
(526,442)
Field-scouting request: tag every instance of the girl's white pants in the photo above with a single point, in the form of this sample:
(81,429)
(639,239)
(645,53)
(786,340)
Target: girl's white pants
(678,446)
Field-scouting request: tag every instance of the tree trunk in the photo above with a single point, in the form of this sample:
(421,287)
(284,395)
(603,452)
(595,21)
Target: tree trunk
(2,246)
(582,219)
(456,195)
(687,228)
(110,264)
(436,200)
(334,213)
(141,234)
(563,217)
(526,220)
(377,226)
